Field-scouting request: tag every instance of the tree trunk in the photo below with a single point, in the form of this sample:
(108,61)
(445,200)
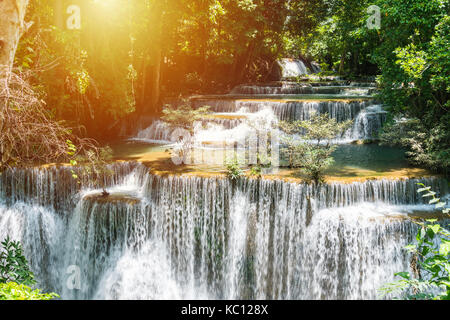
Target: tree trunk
(151,69)
(57,10)
(342,63)
(156,57)
(155,88)
(12,15)
(240,64)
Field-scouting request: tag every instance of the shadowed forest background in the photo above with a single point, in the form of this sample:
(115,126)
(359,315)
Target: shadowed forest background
(130,55)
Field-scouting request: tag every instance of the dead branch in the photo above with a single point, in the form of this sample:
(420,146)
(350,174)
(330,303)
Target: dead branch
(28,133)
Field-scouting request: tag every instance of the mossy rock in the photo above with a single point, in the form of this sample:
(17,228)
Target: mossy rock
(113,198)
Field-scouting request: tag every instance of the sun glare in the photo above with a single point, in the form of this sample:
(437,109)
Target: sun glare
(109,8)
(106,3)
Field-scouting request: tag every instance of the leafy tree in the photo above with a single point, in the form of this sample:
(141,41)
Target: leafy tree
(184,116)
(413,59)
(13,265)
(312,154)
(333,32)
(422,143)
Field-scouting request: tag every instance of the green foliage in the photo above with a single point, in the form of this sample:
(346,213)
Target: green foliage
(333,33)
(184,116)
(15,291)
(431,260)
(428,147)
(86,77)
(115,64)
(13,264)
(236,38)
(255,171)
(439,56)
(410,51)
(16,276)
(413,57)
(312,154)
(233,168)
(412,61)
(262,162)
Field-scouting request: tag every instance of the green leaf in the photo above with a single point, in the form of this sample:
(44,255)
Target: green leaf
(423,189)
(444,249)
(425,251)
(436,228)
(420,234)
(404,275)
(429,194)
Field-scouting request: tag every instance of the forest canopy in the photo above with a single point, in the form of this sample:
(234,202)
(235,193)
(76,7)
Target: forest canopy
(127,56)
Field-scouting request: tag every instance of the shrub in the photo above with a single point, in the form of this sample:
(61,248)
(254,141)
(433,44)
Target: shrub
(312,154)
(234,170)
(424,147)
(183,116)
(430,260)
(15,291)
(13,265)
(16,276)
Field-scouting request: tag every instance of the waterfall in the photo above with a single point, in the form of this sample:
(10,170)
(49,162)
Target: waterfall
(186,237)
(287,88)
(158,132)
(290,110)
(289,101)
(368,123)
(231,116)
(292,68)
(238,225)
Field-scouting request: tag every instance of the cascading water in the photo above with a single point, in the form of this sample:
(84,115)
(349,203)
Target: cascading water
(188,237)
(159,132)
(174,237)
(367,124)
(368,120)
(292,68)
(340,99)
(298,89)
(290,110)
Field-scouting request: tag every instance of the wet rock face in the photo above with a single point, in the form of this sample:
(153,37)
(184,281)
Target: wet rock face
(112,198)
